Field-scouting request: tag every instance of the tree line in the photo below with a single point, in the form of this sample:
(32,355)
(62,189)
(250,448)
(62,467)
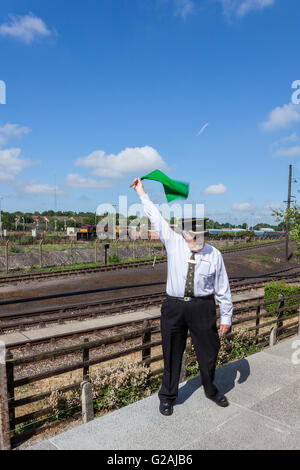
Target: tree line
(16,220)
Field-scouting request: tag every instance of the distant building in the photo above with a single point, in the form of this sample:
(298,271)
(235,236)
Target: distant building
(153,235)
(72,230)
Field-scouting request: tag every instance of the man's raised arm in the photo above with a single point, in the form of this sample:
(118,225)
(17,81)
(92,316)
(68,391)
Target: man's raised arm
(159,224)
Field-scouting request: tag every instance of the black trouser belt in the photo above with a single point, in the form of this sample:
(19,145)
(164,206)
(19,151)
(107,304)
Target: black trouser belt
(190,299)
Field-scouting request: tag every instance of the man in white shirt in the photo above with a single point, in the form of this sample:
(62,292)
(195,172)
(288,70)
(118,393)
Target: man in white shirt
(196,273)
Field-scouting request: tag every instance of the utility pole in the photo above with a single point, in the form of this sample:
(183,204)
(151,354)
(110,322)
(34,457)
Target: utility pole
(55,202)
(287,223)
(55,197)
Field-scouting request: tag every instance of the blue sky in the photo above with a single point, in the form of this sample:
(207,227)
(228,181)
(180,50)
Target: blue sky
(100,91)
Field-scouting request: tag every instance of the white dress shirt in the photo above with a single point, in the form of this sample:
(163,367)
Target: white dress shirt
(210,273)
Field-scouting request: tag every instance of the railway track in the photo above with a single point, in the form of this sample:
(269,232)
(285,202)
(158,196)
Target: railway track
(45,317)
(80,311)
(59,314)
(241,285)
(245,248)
(73,272)
(80,271)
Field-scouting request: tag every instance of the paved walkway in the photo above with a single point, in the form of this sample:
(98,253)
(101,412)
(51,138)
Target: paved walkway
(19,338)
(264,412)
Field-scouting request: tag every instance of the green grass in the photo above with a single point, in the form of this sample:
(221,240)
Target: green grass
(260,258)
(48,247)
(29,269)
(242,245)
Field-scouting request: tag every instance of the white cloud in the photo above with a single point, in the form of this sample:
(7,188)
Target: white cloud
(250,5)
(11,164)
(273,205)
(288,151)
(37,188)
(283,150)
(281,117)
(243,207)
(216,189)
(26,28)
(240,8)
(290,138)
(76,181)
(12,130)
(128,161)
(184,8)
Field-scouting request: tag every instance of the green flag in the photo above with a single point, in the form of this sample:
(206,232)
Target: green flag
(173,189)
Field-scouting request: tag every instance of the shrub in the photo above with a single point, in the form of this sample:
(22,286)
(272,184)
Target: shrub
(113,259)
(15,249)
(226,235)
(246,234)
(273,289)
(236,347)
(11,238)
(118,388)
(122,387)
(27,240)
(48,239)
(64,405)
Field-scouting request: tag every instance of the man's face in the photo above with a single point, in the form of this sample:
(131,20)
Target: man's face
(196,242)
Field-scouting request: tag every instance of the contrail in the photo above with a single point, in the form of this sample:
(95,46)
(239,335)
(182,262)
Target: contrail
(203,129)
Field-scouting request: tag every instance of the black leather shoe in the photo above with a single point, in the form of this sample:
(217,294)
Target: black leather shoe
(220,400)
(166,409)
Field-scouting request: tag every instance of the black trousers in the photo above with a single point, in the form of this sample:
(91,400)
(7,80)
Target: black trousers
(199,317)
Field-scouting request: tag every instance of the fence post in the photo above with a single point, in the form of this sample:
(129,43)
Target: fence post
(71,253)
(106,247)
(41,252)
(85,360)
(183,368)
(257,322)
(10,388)
(273,336)
(4,412)
(146,353)
(146,338)
(6,256)
(280,314)
(133,249)
(150,248)
(299,321)
(96,246)
(87,401)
